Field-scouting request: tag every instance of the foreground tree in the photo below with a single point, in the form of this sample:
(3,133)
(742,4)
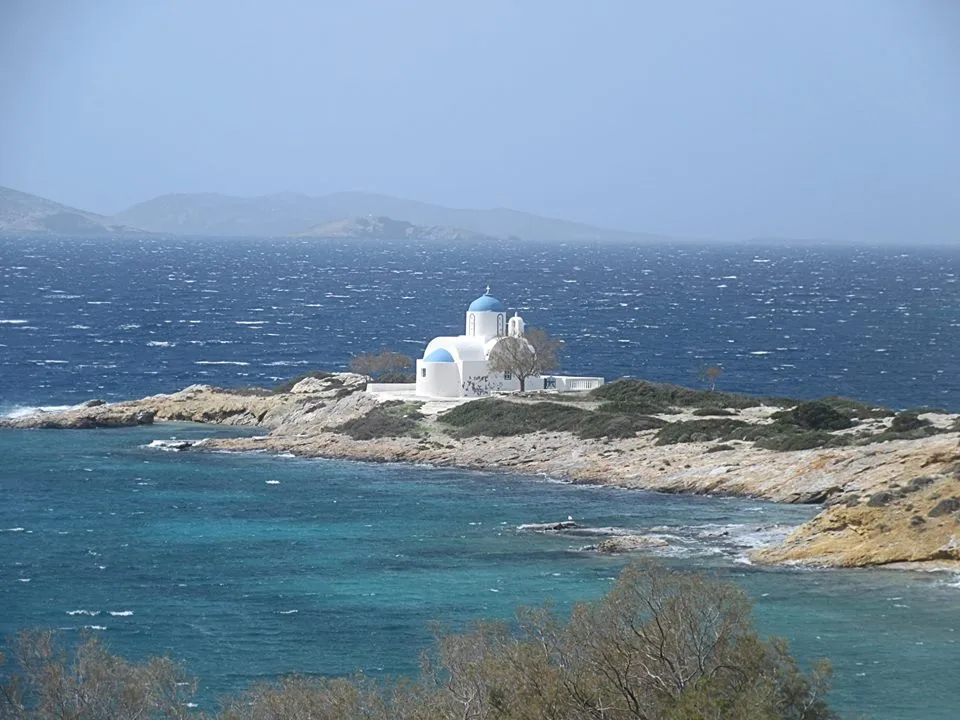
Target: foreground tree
(87,682)
(533,354)
(384,366)
(661,645)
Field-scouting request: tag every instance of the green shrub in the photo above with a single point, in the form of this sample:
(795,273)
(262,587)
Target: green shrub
(890,434)
(856,409)
(602,424)
(494,417)
(945,507)
(390,419)
(789,441)
(908,420)
(814,415)
(713,412)
(881,499)
(702,431)
(657,397)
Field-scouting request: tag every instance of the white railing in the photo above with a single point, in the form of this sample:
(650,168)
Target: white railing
(568,383)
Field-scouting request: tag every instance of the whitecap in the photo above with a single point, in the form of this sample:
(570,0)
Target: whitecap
(161,343)
(121,613)
(13,529)
(95,627)
(24,410)
(287,612)
(13,322)
(272,482)
(220,362)
(24,579)
(90,613)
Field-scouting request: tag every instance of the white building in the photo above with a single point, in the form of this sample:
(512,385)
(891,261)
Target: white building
(458,366)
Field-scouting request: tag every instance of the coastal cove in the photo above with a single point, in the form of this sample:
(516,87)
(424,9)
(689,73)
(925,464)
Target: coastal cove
(245,565)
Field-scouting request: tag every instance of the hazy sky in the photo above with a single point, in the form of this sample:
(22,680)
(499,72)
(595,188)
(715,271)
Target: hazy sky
(714,119)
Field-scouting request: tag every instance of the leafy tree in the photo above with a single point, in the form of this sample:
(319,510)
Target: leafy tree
(384,366)
(533,354)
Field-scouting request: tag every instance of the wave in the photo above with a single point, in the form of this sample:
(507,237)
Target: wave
(161,343)
(14,529)
(18,411)
(13,322)
(220,362)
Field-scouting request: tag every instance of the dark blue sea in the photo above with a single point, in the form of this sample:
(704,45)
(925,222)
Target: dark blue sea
(250,566)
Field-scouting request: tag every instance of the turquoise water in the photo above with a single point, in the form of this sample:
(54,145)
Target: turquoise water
(250,566)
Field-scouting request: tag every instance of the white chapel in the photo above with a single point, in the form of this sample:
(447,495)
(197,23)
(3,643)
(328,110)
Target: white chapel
(458,366)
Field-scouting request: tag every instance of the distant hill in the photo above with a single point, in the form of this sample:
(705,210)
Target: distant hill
(291,213)
(287,214)
(24,213)
(386,228)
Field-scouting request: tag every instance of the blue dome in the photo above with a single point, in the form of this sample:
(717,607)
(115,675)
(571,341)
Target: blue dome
(439,355)
(487,303)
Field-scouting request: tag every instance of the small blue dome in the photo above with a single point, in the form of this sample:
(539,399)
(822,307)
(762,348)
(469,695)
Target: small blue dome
(487,303)
(439,355)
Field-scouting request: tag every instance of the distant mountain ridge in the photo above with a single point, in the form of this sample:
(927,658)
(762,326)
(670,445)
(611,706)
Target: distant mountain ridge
(292,213)
(287,214)
(22,212)
(387,228)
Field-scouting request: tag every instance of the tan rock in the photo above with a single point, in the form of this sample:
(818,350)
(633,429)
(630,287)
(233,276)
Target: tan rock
(885,527)
(629,543)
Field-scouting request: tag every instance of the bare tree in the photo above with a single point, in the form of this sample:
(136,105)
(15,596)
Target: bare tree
(384,366)
(710,375)
(533,354)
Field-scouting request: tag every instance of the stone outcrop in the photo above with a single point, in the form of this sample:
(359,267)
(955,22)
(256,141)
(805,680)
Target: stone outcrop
(335,385)
(321,404)
(629,543)
(908,522)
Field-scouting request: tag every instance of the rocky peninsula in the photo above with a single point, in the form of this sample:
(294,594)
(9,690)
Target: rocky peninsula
(889,483)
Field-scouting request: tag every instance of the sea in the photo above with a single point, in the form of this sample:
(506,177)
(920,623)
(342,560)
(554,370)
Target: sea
(247,567)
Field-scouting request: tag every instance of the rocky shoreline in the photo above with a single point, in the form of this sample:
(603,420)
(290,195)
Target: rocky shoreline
(887,503)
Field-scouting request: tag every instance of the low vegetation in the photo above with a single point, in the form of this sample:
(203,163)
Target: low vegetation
(390,419)
(495,417)
(624,408)
(651,397)
(661,645)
